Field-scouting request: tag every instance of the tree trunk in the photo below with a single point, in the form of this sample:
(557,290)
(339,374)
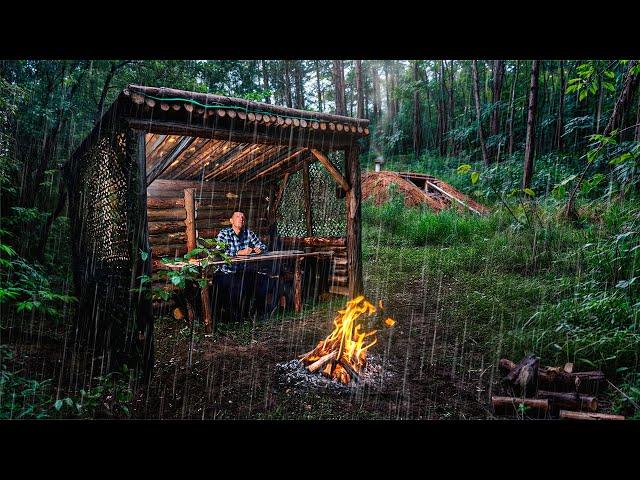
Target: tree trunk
(287,84)
(265,81)
(319,87)
(444,127)
(496,92)
(105,89)
(599,107)
(338,81)
(377,101)
(476,96)
(531,127)
(451,112)
(563,87)
(359,89)
(299,87)
(512,106)
(417,124)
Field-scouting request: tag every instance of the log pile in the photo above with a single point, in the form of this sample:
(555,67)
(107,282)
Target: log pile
(553,392)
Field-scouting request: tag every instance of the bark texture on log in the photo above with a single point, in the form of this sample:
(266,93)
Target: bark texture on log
(512,404)
(567,415)
(572,401)
(555,377)
(524,375)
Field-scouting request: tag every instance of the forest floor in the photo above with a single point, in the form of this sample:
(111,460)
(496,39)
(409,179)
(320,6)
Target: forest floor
(234,374)
(438,366)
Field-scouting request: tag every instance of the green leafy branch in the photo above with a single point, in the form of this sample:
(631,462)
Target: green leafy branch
(208,252)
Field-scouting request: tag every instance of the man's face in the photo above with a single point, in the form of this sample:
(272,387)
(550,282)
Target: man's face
(237,220)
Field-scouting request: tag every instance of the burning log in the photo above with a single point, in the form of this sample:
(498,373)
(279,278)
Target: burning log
(572,401)
(342,354)
(512,404)
(567,415)
(557,377)
(318,364)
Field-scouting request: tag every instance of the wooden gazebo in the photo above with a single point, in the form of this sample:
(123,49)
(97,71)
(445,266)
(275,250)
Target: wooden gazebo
(162,159)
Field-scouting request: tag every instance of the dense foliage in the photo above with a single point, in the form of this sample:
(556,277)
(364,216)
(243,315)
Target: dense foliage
(554,267)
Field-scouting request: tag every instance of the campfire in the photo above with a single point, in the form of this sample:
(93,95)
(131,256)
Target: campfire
(343,354)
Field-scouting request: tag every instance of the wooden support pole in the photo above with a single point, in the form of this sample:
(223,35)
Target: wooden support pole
(331,168)
(354,239)
(190,220)
(306,183)
(297,285)
(144,318)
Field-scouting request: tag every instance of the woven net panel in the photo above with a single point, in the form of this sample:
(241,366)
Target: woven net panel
(328,210)
(102,204)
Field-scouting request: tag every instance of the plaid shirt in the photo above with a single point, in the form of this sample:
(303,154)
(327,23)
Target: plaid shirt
(234,243)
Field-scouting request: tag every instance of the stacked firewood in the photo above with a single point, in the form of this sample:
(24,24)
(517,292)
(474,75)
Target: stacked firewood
(549,392)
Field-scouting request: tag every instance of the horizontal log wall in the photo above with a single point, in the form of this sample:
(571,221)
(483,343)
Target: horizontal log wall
(338,277)
(215,203)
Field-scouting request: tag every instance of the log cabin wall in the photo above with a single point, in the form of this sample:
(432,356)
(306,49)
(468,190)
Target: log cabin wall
(215,202)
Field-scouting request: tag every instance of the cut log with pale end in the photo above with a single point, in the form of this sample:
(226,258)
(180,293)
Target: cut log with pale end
(570,400)
(568,367)
(567,415)
(513,404)
(318,364)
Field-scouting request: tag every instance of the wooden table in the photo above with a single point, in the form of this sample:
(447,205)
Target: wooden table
(277,255)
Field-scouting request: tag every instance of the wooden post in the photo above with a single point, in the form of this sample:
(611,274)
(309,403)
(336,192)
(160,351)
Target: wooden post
(297,285)
(190,222)
(306,183)
(144,317)
(354,240)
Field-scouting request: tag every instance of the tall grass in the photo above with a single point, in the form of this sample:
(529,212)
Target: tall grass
(564,292)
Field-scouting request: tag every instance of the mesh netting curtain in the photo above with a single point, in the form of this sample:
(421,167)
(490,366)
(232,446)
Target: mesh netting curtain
(105,209)
(328,210)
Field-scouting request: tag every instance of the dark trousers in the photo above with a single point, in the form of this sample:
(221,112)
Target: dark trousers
(236,291)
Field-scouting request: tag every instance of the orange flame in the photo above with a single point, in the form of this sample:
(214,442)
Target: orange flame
(343,353)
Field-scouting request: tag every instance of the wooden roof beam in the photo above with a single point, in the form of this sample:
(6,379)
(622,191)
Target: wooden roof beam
(331,168)
(165,162)
(278,164)
(269,152)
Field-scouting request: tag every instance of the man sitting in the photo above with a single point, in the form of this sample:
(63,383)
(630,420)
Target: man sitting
(237,283)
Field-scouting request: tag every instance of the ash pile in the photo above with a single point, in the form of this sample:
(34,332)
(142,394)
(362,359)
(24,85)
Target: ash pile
(294,374)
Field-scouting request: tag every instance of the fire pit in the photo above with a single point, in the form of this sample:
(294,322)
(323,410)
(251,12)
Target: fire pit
(342,355)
